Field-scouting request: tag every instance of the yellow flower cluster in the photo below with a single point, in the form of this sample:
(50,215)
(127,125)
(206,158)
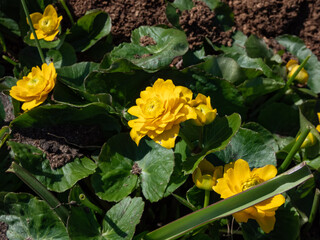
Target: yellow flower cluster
(237,177)
(47,24)
(162,107)
(34,88)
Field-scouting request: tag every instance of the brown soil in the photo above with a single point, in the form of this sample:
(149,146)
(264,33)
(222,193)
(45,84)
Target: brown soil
(3,231)
(61,144)
(266,19)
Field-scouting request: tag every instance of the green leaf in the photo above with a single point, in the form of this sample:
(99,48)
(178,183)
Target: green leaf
(166,44)
(121,220)
(113,179)
(223,67)
(257,87)
(123,87)
(195,197)
(256,147)
(257,48)
(183,4)
(121,163)
(58,180)
(53,115)
(177,179)
(297,47)
(236,203)
(83,224)
(89,29)
(280,118)
(29,218)
(74,75)
(217,136)
(65,56)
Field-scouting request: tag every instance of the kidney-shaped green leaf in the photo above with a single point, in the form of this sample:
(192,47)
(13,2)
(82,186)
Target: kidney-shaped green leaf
(89,29)
(58,180)
(30,218)
(152,48)
(121,163)
(256,146)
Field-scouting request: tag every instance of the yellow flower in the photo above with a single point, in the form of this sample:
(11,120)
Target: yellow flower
(46,25)
(205,176)
(302,76)
(160,109)
(34,88)
(205,113)
(238,177)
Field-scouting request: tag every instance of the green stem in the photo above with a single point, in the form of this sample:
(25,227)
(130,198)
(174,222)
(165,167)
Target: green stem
(64,5)
(315,206)
(206,198)
(26,11)
(9,60)
(294,150)
(39,189)
(86,202)
(290,80)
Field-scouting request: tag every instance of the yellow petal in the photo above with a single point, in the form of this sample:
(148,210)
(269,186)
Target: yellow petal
(267,172)
(271,204)
(51,37)
(35,17)
(136,136)
(241,216)
(168,137)
(266,223)
(241,171)
(50,11)
(29,105)
(223,188)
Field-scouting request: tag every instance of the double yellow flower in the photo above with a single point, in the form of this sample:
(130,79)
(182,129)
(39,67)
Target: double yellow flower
(162,107)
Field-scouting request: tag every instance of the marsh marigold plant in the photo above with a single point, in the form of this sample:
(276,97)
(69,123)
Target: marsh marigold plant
(34,88)
(47,24)
(238,177)
(159,111)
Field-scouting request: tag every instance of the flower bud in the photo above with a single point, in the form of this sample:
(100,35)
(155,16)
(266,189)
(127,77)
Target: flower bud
(205,113)
(302,76)
(205,176)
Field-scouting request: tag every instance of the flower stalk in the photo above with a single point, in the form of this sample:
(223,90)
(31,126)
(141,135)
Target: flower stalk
(26,11)
(206,198)
(294,150)
(64,5)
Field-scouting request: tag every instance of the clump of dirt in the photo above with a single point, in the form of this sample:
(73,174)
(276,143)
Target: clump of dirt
(3,231)
(146,41)
(126,15)
(200,23)
(61,144)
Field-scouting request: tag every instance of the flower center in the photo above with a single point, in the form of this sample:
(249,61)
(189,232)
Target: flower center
(47,24)
(251,182)
(153,107)
(34,82)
